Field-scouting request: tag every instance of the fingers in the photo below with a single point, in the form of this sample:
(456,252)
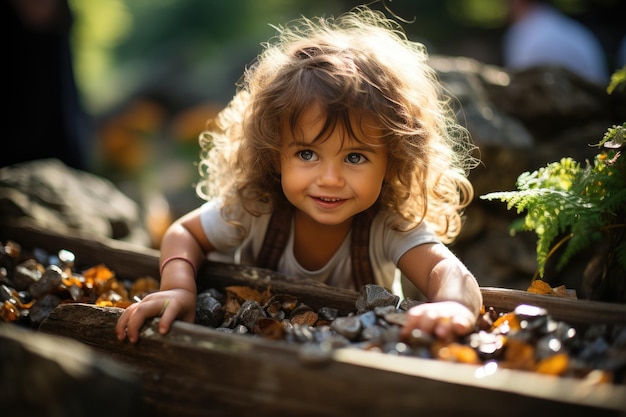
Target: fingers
(120,328)
(463,324)
(170,305)
(130,322)
(124,328)
(443,328)
(132,319)
(418,318)
(445,320)
(168,314)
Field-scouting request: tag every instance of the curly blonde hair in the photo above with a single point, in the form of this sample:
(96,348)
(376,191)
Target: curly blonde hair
(359,65)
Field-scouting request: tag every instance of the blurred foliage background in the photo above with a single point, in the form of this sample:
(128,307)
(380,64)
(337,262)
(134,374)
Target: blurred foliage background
(151,73)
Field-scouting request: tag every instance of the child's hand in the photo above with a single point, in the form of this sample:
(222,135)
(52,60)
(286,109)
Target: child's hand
(444,319)
(169,305)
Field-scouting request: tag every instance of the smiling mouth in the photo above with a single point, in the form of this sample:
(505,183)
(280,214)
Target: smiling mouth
(328,203)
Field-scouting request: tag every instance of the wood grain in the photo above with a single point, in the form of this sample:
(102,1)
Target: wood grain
(196,371)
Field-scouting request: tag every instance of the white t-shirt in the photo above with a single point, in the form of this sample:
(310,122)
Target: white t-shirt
(386,247)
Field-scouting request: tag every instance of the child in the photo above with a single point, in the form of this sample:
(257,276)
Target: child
(341,128)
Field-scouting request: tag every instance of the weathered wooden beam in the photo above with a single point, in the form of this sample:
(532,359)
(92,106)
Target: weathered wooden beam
(194,371)
(127,260)
(47,375)
(131,262)
(570,310)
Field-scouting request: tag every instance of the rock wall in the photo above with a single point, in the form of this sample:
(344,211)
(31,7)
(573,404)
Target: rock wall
(520,121)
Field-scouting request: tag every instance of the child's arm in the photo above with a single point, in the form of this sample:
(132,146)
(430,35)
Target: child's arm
(183,249)
(452,291)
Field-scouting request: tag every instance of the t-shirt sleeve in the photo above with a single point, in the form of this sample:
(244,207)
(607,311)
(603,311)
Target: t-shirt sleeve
(224,236)
(393,243)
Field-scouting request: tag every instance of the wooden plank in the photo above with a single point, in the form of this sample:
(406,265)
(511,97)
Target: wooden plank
(127,260)
(570,310)
(132,261)
(46,375)
(195,371)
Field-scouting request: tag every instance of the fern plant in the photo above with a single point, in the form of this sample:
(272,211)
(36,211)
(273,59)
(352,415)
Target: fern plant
(573,206)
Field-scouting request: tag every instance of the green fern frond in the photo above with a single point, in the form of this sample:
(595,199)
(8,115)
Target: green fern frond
(618,81)
(557,175)
(518,199)
(615,201)
(583,236)
(580,205)
(614,137)
(550,213)
(564,198)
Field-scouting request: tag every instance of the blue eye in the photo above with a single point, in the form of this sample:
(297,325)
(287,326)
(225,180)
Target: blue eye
(355,158)
(306,155)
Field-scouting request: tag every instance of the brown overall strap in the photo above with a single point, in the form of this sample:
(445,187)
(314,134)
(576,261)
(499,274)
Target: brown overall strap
(277,234)
(276,237)
(362,271)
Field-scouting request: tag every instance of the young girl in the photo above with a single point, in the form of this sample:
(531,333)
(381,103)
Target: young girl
(340,129)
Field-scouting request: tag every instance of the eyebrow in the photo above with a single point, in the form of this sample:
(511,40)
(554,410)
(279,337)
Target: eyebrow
(360,148)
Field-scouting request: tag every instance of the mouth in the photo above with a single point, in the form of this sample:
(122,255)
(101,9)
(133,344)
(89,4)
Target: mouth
(329,202)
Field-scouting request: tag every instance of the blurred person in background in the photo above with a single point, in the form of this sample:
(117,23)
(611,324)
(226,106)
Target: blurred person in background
(540,34)
(45,119)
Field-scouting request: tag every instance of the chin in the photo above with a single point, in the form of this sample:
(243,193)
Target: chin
(325,221)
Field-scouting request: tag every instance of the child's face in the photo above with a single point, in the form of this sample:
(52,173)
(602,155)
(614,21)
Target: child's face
(333,179)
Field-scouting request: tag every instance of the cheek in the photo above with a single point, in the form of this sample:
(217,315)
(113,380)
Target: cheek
(369,185)
(289,178)
(376,190)
(381,177)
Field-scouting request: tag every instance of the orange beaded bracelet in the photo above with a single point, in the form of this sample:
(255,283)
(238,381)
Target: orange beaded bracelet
(182,258)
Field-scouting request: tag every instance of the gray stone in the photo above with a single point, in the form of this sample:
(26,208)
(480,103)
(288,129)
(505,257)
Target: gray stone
(58,198)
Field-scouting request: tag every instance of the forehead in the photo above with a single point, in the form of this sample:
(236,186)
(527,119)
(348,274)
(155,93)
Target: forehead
(317,123)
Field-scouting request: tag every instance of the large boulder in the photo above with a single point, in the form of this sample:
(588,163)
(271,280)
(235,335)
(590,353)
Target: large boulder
(58,198)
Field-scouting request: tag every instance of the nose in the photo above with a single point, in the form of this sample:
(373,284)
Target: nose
(331,174)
